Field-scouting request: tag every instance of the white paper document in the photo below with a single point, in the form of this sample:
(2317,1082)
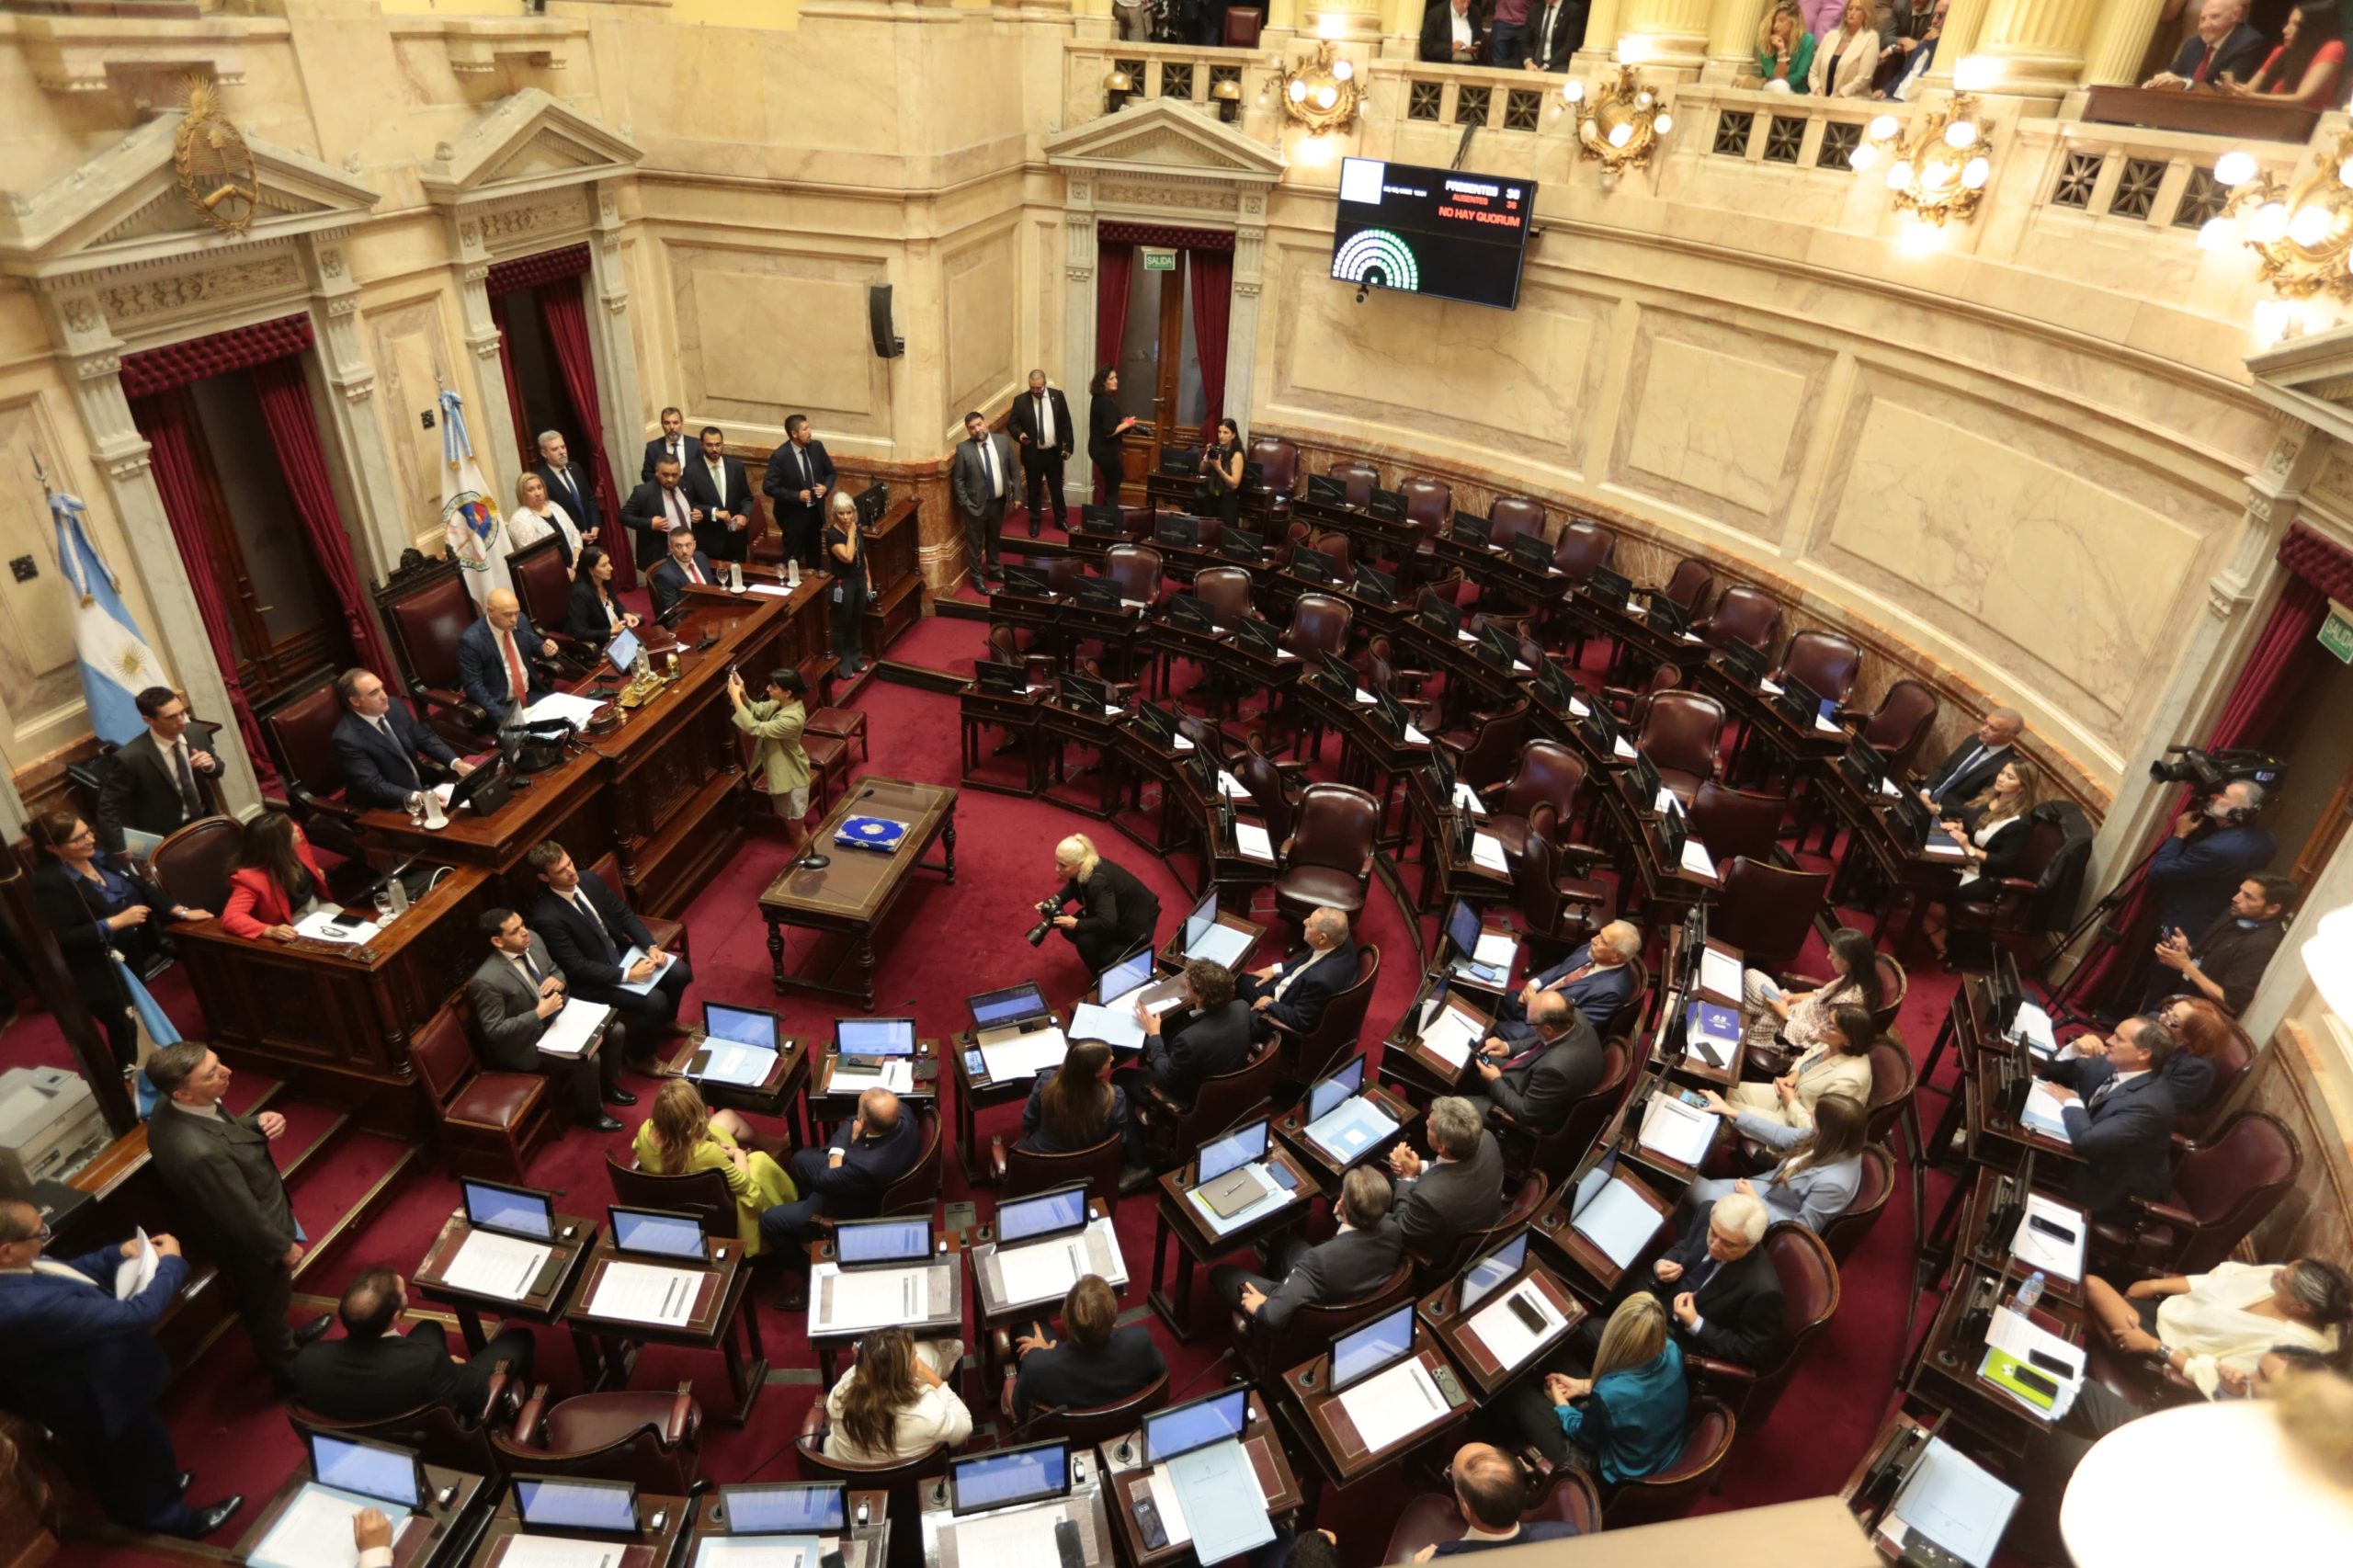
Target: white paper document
(1618,1222)
(1222,944)
(561,1551)
(1452,1036)
(868,1298)
(1665,804)
(1178,743)
(776,590)
(2045,1111)
(562,705)
(1679,1131)
(320,926)
(635,955)
(1162,1487)
(2033,1025)
(646,1292)
(898,1075)
(1217,1490)
(1952,1501)
(1115,1027)
(1025,1055)
(135,1273)
(1349,1127)
(1022,1535)
(1502,1332)
(760,1551)
(1697,861)
(1251,839)
(1620,750)
(1400,1401)
(1720,972)
(1044,1271)
(1496,949)
(492,1265)
(1416,737)
(2038,1248)
(2021,1336)
(1823,725)
(315,1530)
(1467,798)
(734,1063)
(1229,787)
(1769,686)
(1887,787)
(1366,699)
(1487,850)
(570,1031)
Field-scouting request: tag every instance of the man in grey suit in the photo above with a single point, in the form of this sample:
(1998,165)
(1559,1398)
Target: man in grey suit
(233,1202)
(1536,1081)
(1459,1190)
(518,989)
(981,478)
(1350,1265)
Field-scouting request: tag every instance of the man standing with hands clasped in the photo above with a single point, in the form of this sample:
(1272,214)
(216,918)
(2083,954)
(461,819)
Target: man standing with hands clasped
(1040,426)
(798,478)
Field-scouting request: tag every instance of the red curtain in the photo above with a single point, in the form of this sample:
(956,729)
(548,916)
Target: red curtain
(163,420)
(153,370)
(294,432)
(525,448)
(1113,264)
(1212,298)
(565,317)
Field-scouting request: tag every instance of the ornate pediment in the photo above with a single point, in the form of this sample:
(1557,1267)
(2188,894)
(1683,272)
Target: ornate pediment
(125,207)
(532,141)
(1167,139)
(2310,378)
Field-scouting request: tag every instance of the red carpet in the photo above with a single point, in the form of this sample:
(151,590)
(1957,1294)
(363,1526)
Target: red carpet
(948,942)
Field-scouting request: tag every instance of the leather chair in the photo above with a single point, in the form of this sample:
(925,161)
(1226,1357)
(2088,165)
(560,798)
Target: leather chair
(2232,1065)
(902,1480)
(1226,590)
(1844,1233)
(1136,569)
(1766,912)
(1514,516)
(1270,788)
(1242,26)
(1328,861)
(1900,722)
(1062,573)
(1632,704)
(1627,1020)
(1383,672)
(1335,548)
(1083,1429)
(1825,661)
(1736,822)
(2005,911)
(1747,612)
(1547,773)
(1433,1518)
(1267,1355)
(193,863)
(541,582)
(1893,985)
(455,1440)
(426,608)
(1319,624)
(1556,912)
(1551,1156)
(1809,1299)
(1519,1207)
(1006,648)
(702,1194)
(490,1123)
(1358,479)
(1278,463)
(1895,1082)
(668,935)
(1585,547)
(915,1192)
(2220,1191)
(1308,1054)
(301,732)
(652,1439)
(1020,1172)
(1173,1131)
(1429,505)
(1494,748)
(1682,734)
(1708,1428)
(1687,585)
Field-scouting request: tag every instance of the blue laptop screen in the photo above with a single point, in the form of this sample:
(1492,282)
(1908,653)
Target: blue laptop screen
(518,1213)
(1065,1210)
(742,1026)
(1343,1086)
(1378,1345)
(1491,1270)
(1017,1476)
(1126,976)
(783,1509)
(388,1474)
(1462,928)
(1008,1007)
(576,1505)
(1222,1155)
(665,1235)
(883,1241)
(875,1036)
(1198,924)
(1168,1433)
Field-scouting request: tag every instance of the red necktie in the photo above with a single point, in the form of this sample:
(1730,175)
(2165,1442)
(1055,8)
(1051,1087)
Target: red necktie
(1571,978)
(517,682)
(2205,61)
(693,576)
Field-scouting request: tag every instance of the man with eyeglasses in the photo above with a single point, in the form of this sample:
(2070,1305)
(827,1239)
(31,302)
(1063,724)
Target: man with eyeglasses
(86,1366)
(164,780)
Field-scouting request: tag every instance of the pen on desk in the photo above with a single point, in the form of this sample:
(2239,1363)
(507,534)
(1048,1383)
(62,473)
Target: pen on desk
(670,1296)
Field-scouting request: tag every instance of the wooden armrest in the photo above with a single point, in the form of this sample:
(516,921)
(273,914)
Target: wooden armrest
(1586,855)
(325,808)
(2165,1213)
(1725,1371)
(495,1392)
(1789,982)
(682,1414)
(531,1421)
(1001,1347)
(996,1158)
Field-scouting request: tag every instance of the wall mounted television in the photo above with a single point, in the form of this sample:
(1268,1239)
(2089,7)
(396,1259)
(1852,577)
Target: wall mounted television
(1437,232)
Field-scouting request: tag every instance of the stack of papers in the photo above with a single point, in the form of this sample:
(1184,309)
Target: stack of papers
(1719,972)
(1414,736)
(1115,1027)
(571,1031)
(562,705)
(846,1301)
(1679,1131)
(777,590)
(1467,798)
(1399,1402)
(1251,839)
(2033,1025)
(1026,1055)
(1620,750)
(647,1292)
(315,1530)
(733,1062)
(1487,851)
(320,926)
(1824,725)
(1509,1338)
(1697,861)
(1168,1499)
(2044,1112)
(1044,1271)
(1887,787)
(135,1273)
(898,1075)
(636,956)
(1953,1502)
(1215,1490)
(491,1264)
(2036,1248)
(1496,949)
(1769,686)
(1229,787)
(1018,1535)
(1665,804)
(1577,708)
(2012,1341)
(1451,1037)
(1618,1222)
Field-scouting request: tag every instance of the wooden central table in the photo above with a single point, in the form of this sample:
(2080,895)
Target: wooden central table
(851,896)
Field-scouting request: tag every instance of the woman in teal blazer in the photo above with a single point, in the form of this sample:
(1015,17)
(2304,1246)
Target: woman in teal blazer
(1784,49)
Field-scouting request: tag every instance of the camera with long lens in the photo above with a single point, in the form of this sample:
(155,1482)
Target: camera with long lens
(1047,908)
(2209,773)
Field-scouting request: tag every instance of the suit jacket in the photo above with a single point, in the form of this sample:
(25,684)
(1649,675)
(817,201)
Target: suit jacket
(585,617)
(1025,422)
(74,919)
(1070,1378)
(968,476)
(506,1004)
(643,509)
(588,952)
(1964,774)
(1856,61)
(669,585)
(85,1365)
(1450,1200)
(782,484)
(1568,33)
(142,790)
(1104,440)
(1437,45)
(660,448)
(368,1380)
(854,1189)
(1539,1092)
(2240,54)
(1114,905)
(1351,1266)
(732,495)
(1740,1305)
(1326,974)
(571,488)
(1194,1047)
(231,1199)
(377,772)
(1533,1529)
(481,668)
(2126,1140)
(2194,878)
(256,900)
(1596,998)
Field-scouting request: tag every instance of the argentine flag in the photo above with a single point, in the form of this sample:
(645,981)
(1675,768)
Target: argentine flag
(116,663)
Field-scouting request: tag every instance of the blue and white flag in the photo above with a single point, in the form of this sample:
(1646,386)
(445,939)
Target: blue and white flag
(116,663)
(469,518)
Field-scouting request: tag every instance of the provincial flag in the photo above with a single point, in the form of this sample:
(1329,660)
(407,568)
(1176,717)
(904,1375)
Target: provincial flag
(469,518)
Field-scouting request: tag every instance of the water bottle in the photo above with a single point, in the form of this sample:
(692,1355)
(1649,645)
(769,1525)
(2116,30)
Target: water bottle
(2029,1293)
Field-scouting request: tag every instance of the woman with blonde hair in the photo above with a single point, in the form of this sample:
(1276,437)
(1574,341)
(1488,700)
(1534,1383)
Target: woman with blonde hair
(683,1135)
(535,516)
(1117,914)
(1996,831)
(1623,1422)
(1784,49)
(895,1401)
(1847,54)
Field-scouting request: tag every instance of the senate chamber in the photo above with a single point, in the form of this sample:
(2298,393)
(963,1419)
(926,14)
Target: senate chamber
(1128,783)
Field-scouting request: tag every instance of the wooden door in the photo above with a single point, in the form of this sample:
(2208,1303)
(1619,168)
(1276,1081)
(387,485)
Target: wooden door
(1169,364)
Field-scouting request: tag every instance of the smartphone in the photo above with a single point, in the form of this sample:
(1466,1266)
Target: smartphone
(1691,1098)
(974,1065)
(1769,988)
(2050,1229)
(347,921)
(2033,1380)
(1283,1178)
(1527,1314)
(1148,1524)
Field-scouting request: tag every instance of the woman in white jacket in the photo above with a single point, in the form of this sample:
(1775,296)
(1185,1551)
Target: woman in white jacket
(1845,57)
(895,1402)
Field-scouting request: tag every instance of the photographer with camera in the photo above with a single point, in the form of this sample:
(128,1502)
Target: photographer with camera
(1117,914)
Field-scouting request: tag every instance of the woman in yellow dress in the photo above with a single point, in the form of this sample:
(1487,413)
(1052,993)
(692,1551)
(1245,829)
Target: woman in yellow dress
(683,1135)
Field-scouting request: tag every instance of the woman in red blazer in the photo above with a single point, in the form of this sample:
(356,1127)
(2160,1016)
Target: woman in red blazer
(275,881)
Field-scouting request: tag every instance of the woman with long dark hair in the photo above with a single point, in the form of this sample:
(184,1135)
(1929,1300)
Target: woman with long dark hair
(2303,70)
(1837,1062)
(276,882)
(1106,430)
(1077,1105)
(1221,473)
(106,914)
(895,1402)
(1800,1018)
(593,614)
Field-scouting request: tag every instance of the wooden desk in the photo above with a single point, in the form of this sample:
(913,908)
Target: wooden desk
(936,1518)
(1132,1479)
(893,582)
(852,896)
(2202,113)
(430,1538)
(990,1307)
(574,1239)
(1943,1374)
(1590,1271)
(1181,1217)
(650,1548)
(718,1306)
(946,1250)
(777,1095)
(1442,1312)
(1322,1424)
(1423,1073)
(862,1546)
(978,711)
(829,1106)
(1326,1171)
(1171,956)
(1982,1249)
(976,1092)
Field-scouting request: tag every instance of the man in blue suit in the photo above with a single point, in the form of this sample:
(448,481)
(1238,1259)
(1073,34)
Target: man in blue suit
(1295,992)
(843,1181)
(2196,871)
(2118,1117)
(589,929)
(86,1366)
(683,565)
(1596,979)
(494,657)
(380,744)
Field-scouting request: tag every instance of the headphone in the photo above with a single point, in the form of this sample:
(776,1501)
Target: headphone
(2239,816)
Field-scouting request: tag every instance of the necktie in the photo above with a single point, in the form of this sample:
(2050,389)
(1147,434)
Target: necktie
(1571,978)
(531,968)
(2204,60)
(2099,1094)
(670,505)
(384,727)
(694,573)
(988,456)
(190,801)
(580,901)
(1290,977)
(579,505)
(1045,421)
(801,456)
(1698,1274)
(1544,36)
(518,685)
(1957,774)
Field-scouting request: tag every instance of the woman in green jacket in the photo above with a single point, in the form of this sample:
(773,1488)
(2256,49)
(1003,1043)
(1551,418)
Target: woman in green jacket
(685,1135)
(1784,49)
(778,765)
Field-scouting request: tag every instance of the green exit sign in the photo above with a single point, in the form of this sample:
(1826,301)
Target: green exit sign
(2336,633)
(1158,260)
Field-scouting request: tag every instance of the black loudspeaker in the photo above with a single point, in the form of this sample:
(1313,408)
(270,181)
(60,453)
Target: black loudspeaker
(878,321)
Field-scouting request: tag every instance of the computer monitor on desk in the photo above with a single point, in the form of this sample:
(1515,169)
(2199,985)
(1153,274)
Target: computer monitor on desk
(658,1233)
(1016,1009)
(891,1241)
(550,1503)
(1058,1213)
(1182,1428)
(509,1211)
(392,1477)
(1373,1349)
(741,1025)
(784,1508)
(874,1037)
(1009,1477)
(1230,1151)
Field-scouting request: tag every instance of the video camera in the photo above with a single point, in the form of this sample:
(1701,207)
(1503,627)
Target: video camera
(2209,773)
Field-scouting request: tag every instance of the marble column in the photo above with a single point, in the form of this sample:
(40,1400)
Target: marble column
(487,413)
(1282,21)
(1669,33)
(614,345)
(1732,38)
(1964,22)
(1242,322)
(1401,27)
(371,519)
(2034,48)
(1602,26)
(2120,40)
(1357,20)
(1079,280)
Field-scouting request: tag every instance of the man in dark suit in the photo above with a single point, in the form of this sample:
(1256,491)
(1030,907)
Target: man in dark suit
(514,992)
(982,481)
(1040,426)
(233,1202)
(683,565)
(1098,1363)
(87,1367)
(1295,992)
(382,748)
(1964,775)
(1451,34)
(658,508)
(161,781)
(1186,1046)
(375,1371)
(590,929)
(2222,46)
(2194,873)
(496,654)
(671,443)
(1555,32)
(1490,1492)
(1356,1262)
(1460,1189)
(716,485)
(798,478)
(1536,1081)
(845,1180)
(1720,1287)
(1596,979)
(570,484)
(2228,962)
(2119,1113)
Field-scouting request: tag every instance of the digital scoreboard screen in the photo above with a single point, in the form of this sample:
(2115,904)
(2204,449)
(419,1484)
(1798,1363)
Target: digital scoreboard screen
(1456,235)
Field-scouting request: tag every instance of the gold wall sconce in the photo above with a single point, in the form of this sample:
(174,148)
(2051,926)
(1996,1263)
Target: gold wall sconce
(2301,234)
(1620,126)
(1321,93)
(1939,171)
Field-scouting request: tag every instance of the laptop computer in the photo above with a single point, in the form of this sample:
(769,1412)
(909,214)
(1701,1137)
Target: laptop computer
(623,651)
(1373,1349)
(1084,694)
(1129,980)
(1180,460)
(557,1503)
(1256,636)
(1226,1173)
(1340,1120)
(1181,1428)
(784,1507)
(1205,937)
(1389,504)
(1099,519)
(1190,613)
(1004,1014)
(509,1211)
(1465,933)
(1005,1477)
(392,1476)
(1745,659)
(883,1243)
(1326,490)
(1443,618)
(739,1045)
(1798,702)
(658,1233)
(870,1041)
(1496,1270)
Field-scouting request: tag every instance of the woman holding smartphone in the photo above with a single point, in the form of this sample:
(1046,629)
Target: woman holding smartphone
(1222,473)
(845,554)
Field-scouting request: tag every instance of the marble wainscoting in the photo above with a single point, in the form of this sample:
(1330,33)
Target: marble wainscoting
(2294,1082)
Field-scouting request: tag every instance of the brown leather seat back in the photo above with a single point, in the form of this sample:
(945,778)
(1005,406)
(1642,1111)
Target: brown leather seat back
(1511,516)
(1226,590)
(541,583)
(1893,1078)
(1584,547)
(1242,24)
(1319,624)
(1258,773)
(1336,826)
(1709,1429)
(1683,732)
(1278,458)
(1825,661)
(2229,1184)
(1136,569)
(1314,1326)
(1736,822)
(1101,1423)
(1845,1232)
(919,1188)
(426,610)
(1429,502)
(1549,774)
(1496,747)
(1689,584)
(1766,912)
(443,1055)
(1335,1031)
(1902,722)
(1227,1098)
(301,731)
(1359,480)
(1747,612)
(192,865)
(700,1193)
(1030,1170)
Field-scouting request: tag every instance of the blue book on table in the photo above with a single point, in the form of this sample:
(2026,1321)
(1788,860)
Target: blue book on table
(1706,1022)
(871,833)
